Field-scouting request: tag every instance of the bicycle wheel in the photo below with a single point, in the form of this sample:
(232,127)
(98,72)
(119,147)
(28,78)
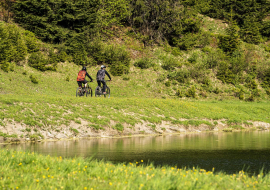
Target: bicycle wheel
(108,92)
(98,92)
(79,92)
(89,92)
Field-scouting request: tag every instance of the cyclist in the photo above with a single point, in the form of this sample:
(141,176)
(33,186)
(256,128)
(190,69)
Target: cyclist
(81,77)
(100,78)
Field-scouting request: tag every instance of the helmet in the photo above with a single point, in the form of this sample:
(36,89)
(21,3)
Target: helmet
(84,68)
(103,66)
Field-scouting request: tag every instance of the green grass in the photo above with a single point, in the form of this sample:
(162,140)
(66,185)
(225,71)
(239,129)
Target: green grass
(25,170)
(43,111)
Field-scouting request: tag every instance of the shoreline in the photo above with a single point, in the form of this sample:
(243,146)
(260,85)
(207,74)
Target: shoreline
(139,130)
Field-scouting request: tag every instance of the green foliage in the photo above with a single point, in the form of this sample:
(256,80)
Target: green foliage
(74,130)
(40,62)
(192,40)
(119,127)
(266,79)
(182,76)
(170,63)
(159,20)
(231,41)
(5,66)
(12,45)
(225,74)
(179,93)
(33,79)
(168,83)
(56,21)
(144,63)
(250,31)
(191,92)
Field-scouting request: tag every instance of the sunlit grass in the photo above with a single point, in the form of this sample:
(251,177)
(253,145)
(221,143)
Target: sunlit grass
(25,170)
(42,111)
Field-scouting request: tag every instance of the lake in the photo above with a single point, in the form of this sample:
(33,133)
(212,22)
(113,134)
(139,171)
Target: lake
(228,152)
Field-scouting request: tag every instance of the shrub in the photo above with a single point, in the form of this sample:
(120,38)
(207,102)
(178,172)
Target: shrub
(31,41)
(144,63)
(216,90)
(225,74)
(182,76)
(170,63)
(118,58)
(67,78)
(33,79)
(179,93)
(161,78)
(39,62)
(168,83)
(191,92)
(118,69)
(231,41)
(119,127)
(5,66)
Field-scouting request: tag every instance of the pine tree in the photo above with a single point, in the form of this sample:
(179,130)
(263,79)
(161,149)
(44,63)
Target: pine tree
(231,41)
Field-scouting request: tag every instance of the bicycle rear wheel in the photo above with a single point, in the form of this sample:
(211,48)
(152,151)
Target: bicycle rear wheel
(98,92)
(108,92)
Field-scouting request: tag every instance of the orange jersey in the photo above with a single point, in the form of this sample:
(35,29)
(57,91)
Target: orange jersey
(81,75)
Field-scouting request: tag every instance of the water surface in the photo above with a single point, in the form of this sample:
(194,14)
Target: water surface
(228,152)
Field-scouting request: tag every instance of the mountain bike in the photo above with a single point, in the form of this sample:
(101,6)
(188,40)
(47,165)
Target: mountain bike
(81,91)
(98,91)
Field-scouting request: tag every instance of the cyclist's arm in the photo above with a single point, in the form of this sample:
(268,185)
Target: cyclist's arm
(89,76)
(108,75)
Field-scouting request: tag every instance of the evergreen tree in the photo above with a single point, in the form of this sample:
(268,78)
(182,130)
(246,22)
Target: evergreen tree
(250,31)
(231,41)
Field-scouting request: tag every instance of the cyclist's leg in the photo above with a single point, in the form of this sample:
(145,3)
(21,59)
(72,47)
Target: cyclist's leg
(85,83)
(99,83)
(104,86)
(79,83)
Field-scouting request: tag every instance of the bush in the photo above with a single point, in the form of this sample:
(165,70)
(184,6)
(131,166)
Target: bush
(161,78)
(225,74)
(118,58)
(168,83)
(31,41)
(179,93)
(170,63)
(231,41)
(182,76)
(191,92)
(39,62)
(119,127)
(118,69)
(33,79)
(5,66)
(144,63)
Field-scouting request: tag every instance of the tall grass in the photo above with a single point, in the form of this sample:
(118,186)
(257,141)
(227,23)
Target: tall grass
(25,170)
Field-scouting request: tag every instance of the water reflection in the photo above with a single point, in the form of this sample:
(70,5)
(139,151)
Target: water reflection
(230,152)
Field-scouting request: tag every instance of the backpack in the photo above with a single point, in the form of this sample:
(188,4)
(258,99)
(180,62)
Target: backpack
(101,74)
(81,75)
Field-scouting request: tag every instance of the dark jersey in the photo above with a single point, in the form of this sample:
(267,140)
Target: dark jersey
(101,74)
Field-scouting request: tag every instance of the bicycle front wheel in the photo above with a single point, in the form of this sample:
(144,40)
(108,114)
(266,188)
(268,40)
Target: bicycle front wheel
(89,92)
(108,92)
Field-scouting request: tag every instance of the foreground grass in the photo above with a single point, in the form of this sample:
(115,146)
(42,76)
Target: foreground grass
(43,111)
(24,170)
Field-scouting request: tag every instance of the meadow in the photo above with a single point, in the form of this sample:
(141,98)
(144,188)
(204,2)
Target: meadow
(26,170)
